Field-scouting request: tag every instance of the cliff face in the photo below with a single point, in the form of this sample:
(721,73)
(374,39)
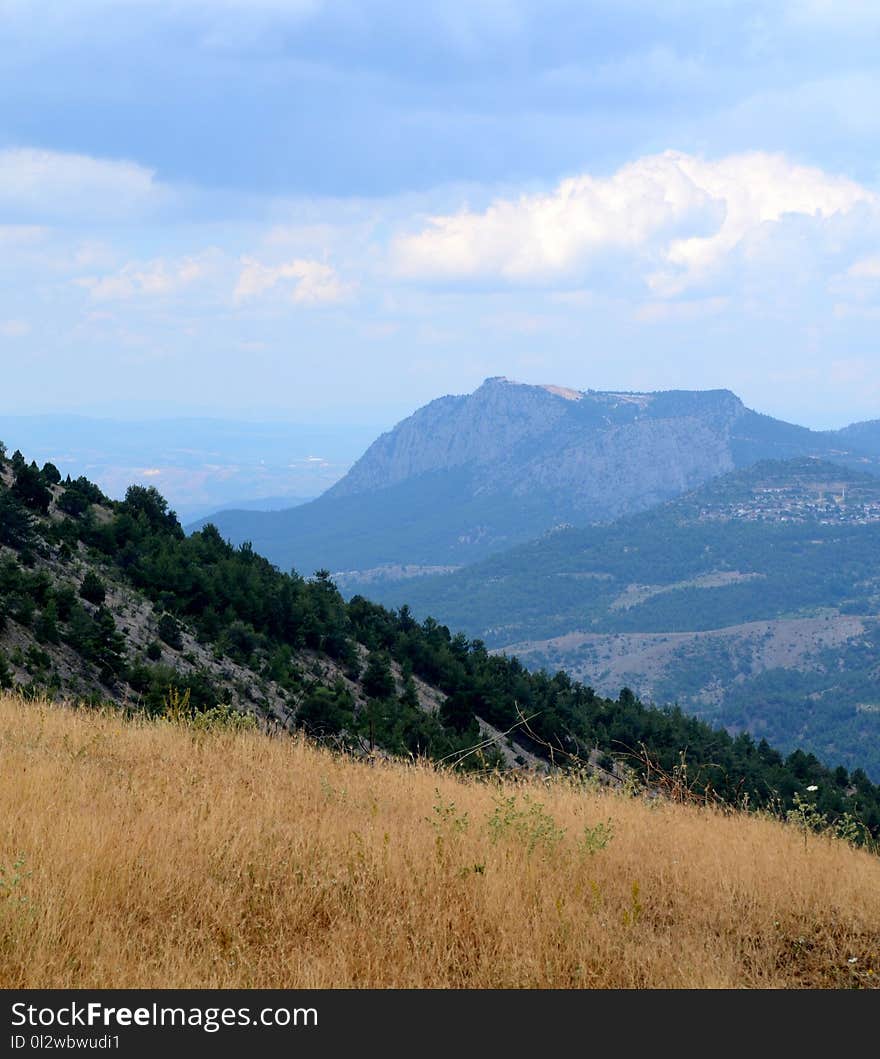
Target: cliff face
(628,467)
(452,432)
(598,452)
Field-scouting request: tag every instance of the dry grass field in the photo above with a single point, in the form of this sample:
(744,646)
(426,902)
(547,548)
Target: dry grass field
(140,854)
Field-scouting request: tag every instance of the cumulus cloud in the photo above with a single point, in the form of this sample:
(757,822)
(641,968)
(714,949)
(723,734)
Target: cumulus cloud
(314,283)
(679,216)
(756,190)
(150,279)
(548,235)
(56,185)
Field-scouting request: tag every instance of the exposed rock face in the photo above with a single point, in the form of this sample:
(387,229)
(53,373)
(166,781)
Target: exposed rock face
(451,432)
(629,467)
(604,453)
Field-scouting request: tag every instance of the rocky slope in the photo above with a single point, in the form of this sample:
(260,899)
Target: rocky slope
(536,438)
(74,625)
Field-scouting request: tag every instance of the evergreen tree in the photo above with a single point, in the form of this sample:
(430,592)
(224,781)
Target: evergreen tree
(16,524)
(46,625)
(92,589)
(378,680)
(5,672)
(30,489)
(51,474)
(169,631)
(325,711)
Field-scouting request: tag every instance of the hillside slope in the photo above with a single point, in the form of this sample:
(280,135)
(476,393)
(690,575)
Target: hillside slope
(863,436)
(468,476)
(112,602)
(753,601)
(295,868)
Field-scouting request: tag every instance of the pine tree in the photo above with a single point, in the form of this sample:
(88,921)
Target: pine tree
(378,680)
(92,589)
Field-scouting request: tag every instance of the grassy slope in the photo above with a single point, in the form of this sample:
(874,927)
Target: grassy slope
(157,856)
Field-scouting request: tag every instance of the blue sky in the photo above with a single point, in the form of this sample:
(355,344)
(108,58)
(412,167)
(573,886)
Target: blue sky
(339,210)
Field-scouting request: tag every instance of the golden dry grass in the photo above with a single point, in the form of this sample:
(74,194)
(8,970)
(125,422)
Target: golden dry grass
(162,857)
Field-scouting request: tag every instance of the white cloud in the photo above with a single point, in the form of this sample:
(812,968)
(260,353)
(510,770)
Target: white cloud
(315,283)
(149,279)
(56,185)
(866,268)
(679,216)
(547,235)
(755,189)
(14,328)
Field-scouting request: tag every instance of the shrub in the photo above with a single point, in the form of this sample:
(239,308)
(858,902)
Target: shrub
(169,631)
(92,589)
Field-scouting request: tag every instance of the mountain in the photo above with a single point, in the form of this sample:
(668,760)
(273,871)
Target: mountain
(753,601)
(257,503)
(468,476)
(111,602)
(862,436)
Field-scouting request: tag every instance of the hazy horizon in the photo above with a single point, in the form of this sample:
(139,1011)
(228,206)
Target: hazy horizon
(380,417)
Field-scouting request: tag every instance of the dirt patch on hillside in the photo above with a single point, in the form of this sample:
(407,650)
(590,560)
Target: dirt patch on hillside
(635,594)
(610,661)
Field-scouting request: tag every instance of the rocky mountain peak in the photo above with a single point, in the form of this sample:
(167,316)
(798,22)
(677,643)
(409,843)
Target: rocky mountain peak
(503,425)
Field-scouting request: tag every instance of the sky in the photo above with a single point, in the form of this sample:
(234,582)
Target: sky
(338,210)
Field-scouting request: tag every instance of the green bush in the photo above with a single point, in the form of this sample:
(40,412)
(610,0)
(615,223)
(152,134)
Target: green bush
(169,632)
(92,589)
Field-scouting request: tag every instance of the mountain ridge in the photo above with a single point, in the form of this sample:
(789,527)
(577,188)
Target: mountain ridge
(471,475)
(753,601)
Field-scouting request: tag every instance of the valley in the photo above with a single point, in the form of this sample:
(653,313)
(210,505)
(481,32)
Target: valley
(752,601)
(109,603)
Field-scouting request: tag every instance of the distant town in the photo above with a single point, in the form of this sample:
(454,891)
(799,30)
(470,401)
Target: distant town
(827,504)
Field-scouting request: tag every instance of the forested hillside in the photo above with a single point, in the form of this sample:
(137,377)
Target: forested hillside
(111,601)
(752,601)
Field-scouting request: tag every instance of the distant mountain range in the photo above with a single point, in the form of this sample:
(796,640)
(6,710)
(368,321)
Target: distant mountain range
(468,476)
(199,465)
